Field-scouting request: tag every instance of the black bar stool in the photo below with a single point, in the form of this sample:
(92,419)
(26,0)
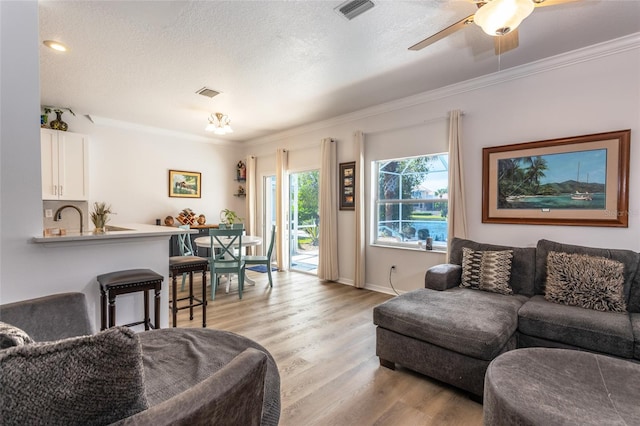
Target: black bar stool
(129,281)
(179,265)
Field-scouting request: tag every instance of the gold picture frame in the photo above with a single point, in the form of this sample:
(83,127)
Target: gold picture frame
(580,180)
(185,184)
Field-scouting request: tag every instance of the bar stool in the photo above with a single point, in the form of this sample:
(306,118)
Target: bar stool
(179,265)
(113,284)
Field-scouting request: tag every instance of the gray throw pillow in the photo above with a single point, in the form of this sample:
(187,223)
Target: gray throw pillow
(487,270)
(86,380)
(12,336)
(589,282)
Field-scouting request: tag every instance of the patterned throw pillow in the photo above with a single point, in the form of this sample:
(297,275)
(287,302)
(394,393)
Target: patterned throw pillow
(586,281)
(487,270)
(88,380)
(12,336)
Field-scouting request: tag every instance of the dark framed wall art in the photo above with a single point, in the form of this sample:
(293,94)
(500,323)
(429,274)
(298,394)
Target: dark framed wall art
(580,180)
(347,185)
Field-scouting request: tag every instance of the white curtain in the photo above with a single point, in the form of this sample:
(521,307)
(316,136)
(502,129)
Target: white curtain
(457,211)
(281,204)
(251,199)
(359,278)
(328,209)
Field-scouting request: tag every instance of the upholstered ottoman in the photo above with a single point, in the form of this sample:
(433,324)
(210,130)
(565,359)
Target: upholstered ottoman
(544,386)
(448,335)
(175,359)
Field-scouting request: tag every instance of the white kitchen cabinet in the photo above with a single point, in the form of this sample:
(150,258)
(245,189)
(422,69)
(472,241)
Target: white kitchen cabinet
(65,161)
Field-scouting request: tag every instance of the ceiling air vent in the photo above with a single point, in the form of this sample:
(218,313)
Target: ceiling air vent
(353,8)
(209,93)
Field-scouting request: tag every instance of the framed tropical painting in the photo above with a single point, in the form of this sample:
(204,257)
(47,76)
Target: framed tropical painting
(580,180)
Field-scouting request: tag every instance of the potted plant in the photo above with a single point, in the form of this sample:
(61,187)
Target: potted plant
(229,217)
(100,216)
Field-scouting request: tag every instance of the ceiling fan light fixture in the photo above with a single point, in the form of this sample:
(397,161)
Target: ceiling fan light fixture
(219,124)
(499,17)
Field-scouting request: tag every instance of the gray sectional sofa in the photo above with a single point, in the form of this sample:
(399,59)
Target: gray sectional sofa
(452,333)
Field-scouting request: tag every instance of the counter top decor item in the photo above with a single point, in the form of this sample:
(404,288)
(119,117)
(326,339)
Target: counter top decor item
(229,217)
(187,217)
(100,216)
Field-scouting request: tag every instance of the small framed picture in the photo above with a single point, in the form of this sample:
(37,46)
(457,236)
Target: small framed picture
(347,185)
(184,184)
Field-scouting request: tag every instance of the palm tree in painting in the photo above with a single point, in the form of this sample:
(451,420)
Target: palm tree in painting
(537,166)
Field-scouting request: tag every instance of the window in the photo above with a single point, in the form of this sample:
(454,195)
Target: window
(411,201)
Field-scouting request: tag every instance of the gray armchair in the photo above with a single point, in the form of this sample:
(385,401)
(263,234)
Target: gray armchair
(189,376)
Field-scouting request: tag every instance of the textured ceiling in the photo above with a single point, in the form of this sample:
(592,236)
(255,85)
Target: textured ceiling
(281,64)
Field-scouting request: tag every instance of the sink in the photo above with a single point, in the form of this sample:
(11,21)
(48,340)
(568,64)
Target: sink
(110,228)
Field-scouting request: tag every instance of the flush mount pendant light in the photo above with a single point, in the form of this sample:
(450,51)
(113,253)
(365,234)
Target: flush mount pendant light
(219,124)
(55,45)
(499,17)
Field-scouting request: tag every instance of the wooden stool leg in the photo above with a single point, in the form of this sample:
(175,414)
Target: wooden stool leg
(204,298)
(112,309)
(103,310)
(157,305)
(174,304)
(147,317)
(191,295)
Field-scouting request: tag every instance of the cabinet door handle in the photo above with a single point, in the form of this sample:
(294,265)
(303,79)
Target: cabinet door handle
(55,189)
(61,190)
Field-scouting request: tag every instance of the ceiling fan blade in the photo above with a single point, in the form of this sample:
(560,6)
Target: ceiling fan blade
(444,33)
(543,3)
(505,43)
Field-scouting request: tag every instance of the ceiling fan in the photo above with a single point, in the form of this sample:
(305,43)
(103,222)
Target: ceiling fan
(498,18)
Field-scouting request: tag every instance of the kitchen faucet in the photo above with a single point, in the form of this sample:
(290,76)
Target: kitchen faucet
(58,214)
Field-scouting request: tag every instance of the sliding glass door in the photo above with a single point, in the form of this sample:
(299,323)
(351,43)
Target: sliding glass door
(304,221)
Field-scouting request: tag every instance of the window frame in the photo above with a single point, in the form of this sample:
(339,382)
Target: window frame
(377,201)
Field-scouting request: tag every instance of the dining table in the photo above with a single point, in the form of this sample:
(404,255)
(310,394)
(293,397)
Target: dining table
(247,241)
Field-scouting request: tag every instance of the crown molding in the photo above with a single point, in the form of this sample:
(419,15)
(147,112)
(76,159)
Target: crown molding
(110,122)
(585,54)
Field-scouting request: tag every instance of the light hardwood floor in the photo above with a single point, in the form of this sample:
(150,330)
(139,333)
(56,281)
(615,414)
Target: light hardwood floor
(323,339)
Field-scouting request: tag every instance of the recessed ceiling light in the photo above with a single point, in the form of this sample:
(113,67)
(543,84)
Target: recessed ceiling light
(55,45)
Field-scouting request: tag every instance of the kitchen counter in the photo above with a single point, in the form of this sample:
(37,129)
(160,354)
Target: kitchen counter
(114,233)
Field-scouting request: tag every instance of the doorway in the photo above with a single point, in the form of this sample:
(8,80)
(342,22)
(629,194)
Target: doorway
(268,209)
(304,223)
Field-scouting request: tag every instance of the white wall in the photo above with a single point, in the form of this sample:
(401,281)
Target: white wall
(129,169)
(589,91)
(119,158)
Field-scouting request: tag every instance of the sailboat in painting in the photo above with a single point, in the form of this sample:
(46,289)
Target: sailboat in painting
(581,196)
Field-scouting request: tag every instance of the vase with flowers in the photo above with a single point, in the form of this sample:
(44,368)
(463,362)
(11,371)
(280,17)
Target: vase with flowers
(100,216)
(56,124)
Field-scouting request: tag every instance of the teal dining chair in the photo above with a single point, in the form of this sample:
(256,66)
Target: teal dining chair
(264,260)
(227,258)
(232,226)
